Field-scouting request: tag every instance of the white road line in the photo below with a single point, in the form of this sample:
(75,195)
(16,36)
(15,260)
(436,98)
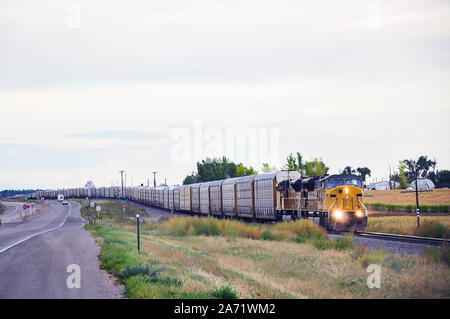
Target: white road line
(43,232)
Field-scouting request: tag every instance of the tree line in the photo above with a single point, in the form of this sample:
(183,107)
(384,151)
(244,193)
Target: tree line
(212,169)
(410,169)
(13,192)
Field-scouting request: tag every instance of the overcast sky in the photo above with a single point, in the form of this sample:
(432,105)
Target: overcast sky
(91,87)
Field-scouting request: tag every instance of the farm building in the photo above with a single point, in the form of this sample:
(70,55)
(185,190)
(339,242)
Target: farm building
(422,183)
(382,186)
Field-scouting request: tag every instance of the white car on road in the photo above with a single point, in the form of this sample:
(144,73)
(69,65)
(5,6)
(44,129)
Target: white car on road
(64,202)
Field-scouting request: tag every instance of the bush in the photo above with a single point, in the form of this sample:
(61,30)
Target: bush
(344,243)
(438,255)
(298,231)
(206,226)
(266,234)
(433,228)
(138,287)
(130,271)
(374,257)
(397,263)
(224,292)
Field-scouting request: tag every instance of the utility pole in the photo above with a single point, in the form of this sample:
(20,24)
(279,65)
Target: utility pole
(165,181)
(417,202)
(121,178)
(148,182)
(390,177)
(154,179)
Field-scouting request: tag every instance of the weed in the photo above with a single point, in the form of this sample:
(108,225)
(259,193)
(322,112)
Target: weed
(266,234)
(225,292)
(433,228)
(438,255)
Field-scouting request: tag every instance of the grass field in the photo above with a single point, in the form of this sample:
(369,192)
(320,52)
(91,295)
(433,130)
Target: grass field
(192,258)
(431,226)
(436,197)
(393,201)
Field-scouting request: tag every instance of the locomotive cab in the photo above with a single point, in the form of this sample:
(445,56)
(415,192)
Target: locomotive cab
(344,202)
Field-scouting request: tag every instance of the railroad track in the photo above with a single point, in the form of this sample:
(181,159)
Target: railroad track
(404,238)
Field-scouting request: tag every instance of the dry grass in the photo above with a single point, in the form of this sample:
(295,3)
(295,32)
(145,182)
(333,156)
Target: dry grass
(273,269)
(436,197)
(199,257)
(406,225)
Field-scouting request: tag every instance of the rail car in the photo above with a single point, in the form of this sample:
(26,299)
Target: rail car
(335,200)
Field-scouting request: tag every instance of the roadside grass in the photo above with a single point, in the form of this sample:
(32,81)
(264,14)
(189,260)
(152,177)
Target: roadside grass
(110,209)
(193,258)
(298,231)
(3,209)
(228,267)
(435,255)
(430,226)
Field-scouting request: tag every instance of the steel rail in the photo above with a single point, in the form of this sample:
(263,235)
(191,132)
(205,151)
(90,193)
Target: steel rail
(404,238)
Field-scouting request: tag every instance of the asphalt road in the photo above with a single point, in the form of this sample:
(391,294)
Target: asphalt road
(34,258)
(12,214)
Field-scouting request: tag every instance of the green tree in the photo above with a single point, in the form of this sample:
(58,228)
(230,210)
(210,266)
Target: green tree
(241,170)
(402,180)
(266,168)
(291,163)
(419,168)
(440,178)
(316,167)
(190,179)
(348,170)
(363,172)
(211,170)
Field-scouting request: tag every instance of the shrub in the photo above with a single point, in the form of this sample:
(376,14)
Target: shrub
(266,234)
(130,271)
(139,287)
(433,228)
(206,226)
(397,263)
(344,243)
(438,255)
(225,292)
(114,258)
(375,257)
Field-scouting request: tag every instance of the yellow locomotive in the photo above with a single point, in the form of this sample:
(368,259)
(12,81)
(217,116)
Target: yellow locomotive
(336,199)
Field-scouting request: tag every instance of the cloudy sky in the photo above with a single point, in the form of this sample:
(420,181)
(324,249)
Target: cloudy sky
(91,87)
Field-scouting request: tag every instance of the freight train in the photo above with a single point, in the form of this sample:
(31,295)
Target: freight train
(335,200)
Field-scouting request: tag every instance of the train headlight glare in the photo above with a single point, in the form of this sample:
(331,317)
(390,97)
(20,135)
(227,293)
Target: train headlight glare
(346,190)
(359,213)
(337,214)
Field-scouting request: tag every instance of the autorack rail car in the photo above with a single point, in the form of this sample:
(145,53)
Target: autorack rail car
(336,200)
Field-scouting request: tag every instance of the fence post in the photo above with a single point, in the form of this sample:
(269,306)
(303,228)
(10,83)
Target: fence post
(138,239)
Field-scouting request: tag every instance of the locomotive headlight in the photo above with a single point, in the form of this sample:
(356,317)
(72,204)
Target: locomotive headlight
(337,214)
(346,190)
(359,214)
